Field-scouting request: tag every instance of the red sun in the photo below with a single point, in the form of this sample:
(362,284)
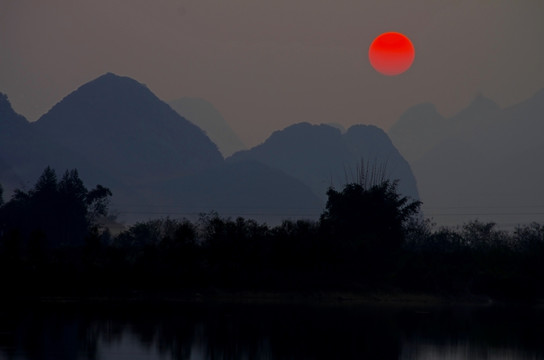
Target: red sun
(391,53)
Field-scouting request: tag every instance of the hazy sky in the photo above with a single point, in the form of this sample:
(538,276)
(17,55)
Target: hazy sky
(268,64)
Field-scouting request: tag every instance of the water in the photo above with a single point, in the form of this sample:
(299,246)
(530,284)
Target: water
(268,331)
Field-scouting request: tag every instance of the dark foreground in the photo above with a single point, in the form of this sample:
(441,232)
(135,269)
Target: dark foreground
(251,328)
(369,239)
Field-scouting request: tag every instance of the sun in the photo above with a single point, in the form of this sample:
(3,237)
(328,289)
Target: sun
(391,53)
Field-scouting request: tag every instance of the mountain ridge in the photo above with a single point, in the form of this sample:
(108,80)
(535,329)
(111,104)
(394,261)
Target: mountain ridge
(117,133)
(484,157)
(120,123)
(321,156)
(203,114)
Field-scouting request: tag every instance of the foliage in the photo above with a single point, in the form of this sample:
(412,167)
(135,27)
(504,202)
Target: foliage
(368,238)
(54,213)
(374,216)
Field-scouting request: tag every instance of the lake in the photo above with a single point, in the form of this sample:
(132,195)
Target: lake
(195,331)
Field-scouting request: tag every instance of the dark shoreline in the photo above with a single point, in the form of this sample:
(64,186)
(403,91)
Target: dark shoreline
(331,298)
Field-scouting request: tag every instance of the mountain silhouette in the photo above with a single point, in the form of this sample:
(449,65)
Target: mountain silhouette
(114,131)
(23,152)
(117,133)
(244,188)
(321,156)
(421,127)
(11,123)
(203,114)
(484,158)
(121,125)
(430,131)
(12,127)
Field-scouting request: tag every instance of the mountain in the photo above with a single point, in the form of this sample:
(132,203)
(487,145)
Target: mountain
(483,162)
(430,127)
(117,133)
(119,125)
(245,188)
(11,123)
(421,127)
(18,143)
(8,178)
(203,114)
(321,156)
(25,151)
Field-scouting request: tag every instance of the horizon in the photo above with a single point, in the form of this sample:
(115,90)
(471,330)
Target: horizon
(265,67)
(506,215)
(446,116)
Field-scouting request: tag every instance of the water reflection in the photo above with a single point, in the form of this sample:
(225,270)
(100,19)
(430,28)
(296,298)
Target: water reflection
(236,331)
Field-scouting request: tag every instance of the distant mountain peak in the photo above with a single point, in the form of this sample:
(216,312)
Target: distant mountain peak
(111,85)
(484,156)
(424,114)
(9,119)
(321,156)
(4,100)
(112,76)
(360,128)
(421,111)
(479,106)
(206,116)
(119,103)
(120,125)
(120,80)
(482,100)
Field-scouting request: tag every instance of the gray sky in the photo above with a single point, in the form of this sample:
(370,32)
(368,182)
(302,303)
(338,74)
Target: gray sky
(267,64)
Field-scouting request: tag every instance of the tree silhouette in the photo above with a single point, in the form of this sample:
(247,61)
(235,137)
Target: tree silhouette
(375,216)
(54,213)
(368,237)
(367,225)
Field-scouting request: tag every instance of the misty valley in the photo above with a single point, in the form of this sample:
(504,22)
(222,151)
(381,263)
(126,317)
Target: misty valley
(125,228)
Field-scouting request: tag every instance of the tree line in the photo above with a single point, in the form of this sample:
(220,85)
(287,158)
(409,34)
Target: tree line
(368,238)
